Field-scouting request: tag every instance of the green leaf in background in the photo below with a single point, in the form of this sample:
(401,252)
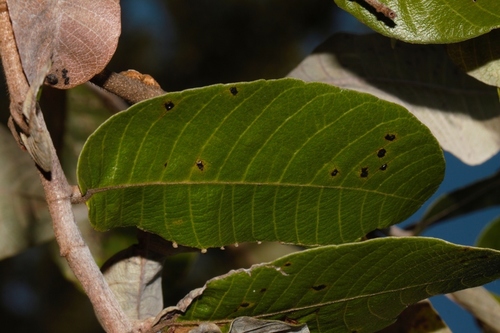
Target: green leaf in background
(476,196)
(425,22)
(279,160)
(490,235)
(479,57)
(358,287)
(460,111)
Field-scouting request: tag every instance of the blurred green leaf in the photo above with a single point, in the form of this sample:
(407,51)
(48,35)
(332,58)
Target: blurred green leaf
(476,196)
(277,160)
(490,235)
(461,112)
(479,57)
(437,21)
(358,287)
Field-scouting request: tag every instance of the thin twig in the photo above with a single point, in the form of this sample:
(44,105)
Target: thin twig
(58,193)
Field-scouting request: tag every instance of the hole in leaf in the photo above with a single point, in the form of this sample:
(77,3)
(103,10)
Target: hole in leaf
(383,167)
(51,79)
(200,166)
(390,137)
(381,153)
(334,173)
(233,90)
(169,105)
(320,287)
(364,172)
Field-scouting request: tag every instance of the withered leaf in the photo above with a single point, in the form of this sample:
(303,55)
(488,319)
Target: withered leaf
(79,37)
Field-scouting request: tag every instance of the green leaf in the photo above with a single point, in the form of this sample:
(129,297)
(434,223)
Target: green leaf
(459,110)
(490,235)
(420,21)
(476,196)
(358,287)
(479,57)
(281,160)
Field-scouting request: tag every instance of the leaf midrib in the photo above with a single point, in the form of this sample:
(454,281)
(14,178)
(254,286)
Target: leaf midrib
(93,191)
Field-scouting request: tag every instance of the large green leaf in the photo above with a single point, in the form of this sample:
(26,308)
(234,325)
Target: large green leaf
(279,160)
(358,287)
(423,21)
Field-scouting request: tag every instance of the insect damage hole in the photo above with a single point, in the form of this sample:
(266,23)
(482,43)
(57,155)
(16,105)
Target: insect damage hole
(169,105)
(334,173)
(381,8)
(381,152)
(51,79)
(200,165)
(65,76)
(383,167)
(318,288)
(364,173)
(234,91)
(390,137)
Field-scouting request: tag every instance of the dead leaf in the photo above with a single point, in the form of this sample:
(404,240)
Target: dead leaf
(462,113)
(134,275)
(253,325)
(481,304)
(420,317)
(24,218)
(78,36)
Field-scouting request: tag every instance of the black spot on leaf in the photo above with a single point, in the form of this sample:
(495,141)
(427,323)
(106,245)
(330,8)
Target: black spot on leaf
(64,73)
(287,264)
(169,105)
(364,172)
(381,153)
(320,287)
(263,290)
(51,79)
(66,80)
(390,137)
(200,165)
(245,305)
(334,173)
(234,91)
(165,165)
(383,167)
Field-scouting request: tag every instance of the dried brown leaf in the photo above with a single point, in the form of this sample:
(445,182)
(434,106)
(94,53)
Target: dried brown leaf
(79,37)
